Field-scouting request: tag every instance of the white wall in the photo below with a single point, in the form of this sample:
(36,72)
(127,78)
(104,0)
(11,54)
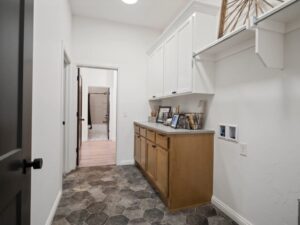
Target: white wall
(99,78)
(264,187)
(265,104)
(52,25)
(104,43)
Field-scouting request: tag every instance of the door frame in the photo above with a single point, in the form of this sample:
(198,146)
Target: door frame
(66,165)
(100,67)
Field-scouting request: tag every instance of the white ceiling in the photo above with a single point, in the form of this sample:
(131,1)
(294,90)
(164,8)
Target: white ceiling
(156,14)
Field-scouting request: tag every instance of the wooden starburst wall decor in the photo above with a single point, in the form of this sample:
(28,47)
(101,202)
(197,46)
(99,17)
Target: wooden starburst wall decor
(236,13)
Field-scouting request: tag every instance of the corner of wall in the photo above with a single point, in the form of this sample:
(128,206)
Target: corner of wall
(53,208)
(230,212)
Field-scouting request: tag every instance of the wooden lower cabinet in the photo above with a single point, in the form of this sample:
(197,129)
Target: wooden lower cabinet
(162,171)
(143,153)
(137,148)
(151,160)
(179,166)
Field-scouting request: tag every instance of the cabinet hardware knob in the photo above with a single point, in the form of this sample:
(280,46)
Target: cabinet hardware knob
(153,146)
(174,92)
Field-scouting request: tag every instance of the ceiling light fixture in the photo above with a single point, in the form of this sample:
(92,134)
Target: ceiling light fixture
(130,2)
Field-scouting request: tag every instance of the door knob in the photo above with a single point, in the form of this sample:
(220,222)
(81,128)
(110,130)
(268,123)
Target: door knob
(35,164)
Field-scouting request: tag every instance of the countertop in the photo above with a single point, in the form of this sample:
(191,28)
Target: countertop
(169,130)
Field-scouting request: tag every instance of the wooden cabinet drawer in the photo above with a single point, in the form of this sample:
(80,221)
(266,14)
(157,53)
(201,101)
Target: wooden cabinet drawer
(162,141)
(151,135)
(143,132)
(136,129)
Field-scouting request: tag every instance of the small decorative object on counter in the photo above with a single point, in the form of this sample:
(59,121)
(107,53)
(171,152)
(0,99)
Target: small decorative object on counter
(152,119)
(175,120)
(182,122)
(163,114)
(196,120)
(168,122)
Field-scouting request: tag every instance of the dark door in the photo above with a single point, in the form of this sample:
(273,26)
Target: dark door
(79,115)
(16,44)
(108,112)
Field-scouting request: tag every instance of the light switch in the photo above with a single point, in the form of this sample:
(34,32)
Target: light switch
(244,149)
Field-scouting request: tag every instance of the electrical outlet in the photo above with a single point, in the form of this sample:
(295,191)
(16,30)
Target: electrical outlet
(244,149)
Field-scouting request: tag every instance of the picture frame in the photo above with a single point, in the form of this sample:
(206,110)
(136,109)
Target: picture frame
(163,113)
(175,120)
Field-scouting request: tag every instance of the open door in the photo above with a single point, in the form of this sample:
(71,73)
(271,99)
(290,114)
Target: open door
(108,113)
(79,116)
(16,45)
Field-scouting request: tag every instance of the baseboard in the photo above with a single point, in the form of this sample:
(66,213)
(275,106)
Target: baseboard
(126,163)
(230,212)
(53,209)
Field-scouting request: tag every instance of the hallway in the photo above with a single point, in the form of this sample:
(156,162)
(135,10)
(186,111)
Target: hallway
(120,195)
(97,153)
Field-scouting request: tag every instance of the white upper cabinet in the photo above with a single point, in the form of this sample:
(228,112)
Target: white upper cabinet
(156,73)
(171,65)
(159,72)
(174,70)
(185,57)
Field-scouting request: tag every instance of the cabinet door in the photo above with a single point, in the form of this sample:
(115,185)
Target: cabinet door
(143,153)
(185,57)
(150,79)
(158,77)
(171,65)
(137,149)
(151,160)
(162,175)
(156,73)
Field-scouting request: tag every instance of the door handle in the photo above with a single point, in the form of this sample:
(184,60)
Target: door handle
(36,164)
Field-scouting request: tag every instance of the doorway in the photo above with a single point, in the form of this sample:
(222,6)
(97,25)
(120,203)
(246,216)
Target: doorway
(98,113)
(97,110)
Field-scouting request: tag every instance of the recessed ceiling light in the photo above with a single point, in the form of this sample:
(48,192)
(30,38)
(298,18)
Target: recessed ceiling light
(130,2)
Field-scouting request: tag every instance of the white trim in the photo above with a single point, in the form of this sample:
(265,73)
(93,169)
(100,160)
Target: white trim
(126,163)
(53,209)
(66,99)
(230,212)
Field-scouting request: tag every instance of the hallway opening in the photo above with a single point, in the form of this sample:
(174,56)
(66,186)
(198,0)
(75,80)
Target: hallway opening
(97,110)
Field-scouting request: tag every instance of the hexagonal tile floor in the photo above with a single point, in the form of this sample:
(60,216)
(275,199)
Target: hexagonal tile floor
(113,195)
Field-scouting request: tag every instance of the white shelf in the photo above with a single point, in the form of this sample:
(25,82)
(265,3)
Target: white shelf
(180,95)
(225,43)
(285,13)
(266,33)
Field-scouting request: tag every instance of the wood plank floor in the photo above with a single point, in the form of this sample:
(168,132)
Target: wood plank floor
(97,153)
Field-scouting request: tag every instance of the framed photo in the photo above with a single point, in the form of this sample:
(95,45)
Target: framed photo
(163,113)
(174,122)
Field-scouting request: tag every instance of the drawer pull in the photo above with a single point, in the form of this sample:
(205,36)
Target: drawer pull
(153,146)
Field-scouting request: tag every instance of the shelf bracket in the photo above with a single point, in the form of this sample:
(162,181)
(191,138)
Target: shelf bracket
(269,46)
